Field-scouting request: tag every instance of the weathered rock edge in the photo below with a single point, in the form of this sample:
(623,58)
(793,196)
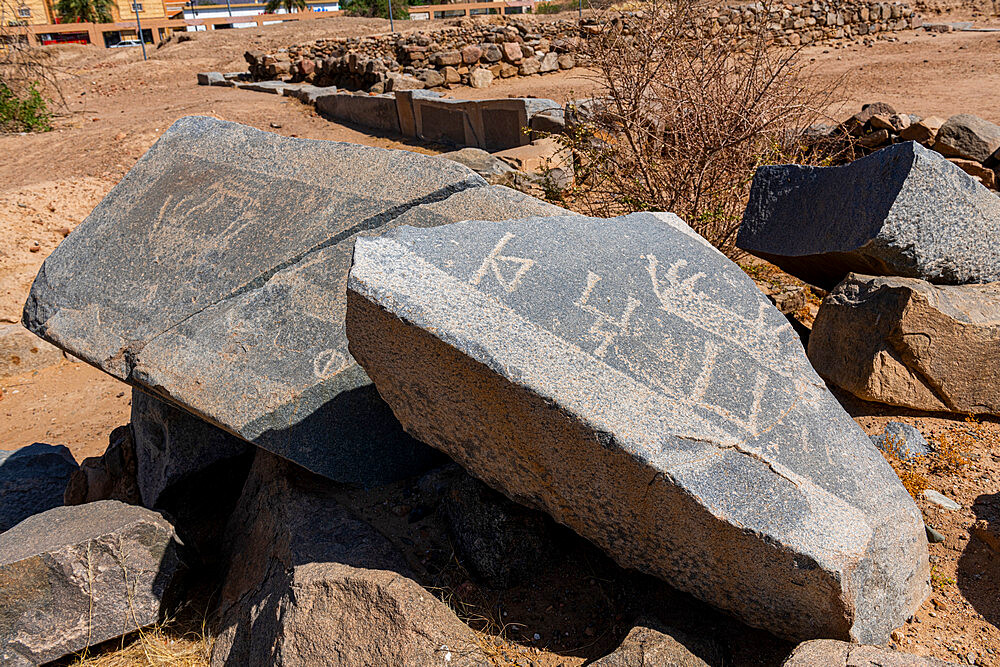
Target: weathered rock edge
(907,342)
(213,277)
(903,210)
(533,415)
(73,577)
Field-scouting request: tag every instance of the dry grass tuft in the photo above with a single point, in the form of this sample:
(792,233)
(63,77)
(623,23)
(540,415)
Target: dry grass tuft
(152,646)
(907,469)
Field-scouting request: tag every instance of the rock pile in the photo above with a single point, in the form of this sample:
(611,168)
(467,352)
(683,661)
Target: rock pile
(969,142)
(621,376)
(472,54)
(905,239)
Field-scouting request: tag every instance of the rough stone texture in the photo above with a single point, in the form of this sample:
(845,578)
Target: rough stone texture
(22,352)
(111,476)
(480,78)
(332,592)
(831,653)
(967,136)
(922,130)
(629,380)
(203,299)
(309,94)
(172,444)
(907,342)
(650,645)
(903,440)
(498,541)
(479,161)
(273,87)
(375,111)
(903,210)
(210,78)
(63,578)
(32,479)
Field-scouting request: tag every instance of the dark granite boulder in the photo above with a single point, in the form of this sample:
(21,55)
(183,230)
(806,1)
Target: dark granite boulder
(629,380)
(903,211)
(213,278)
(33,479)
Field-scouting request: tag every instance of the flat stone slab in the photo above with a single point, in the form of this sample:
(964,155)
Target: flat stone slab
(626,378)
(73,577)
(903,210)
(214,277)
(272,87)
(909,343)
(33,479)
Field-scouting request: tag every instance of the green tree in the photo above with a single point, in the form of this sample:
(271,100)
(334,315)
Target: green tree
(376,8)
(288,5)
(84,11)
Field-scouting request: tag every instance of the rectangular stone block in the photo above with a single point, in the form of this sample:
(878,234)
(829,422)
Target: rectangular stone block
(377,112)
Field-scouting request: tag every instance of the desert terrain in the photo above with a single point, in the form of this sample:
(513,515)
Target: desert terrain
(116,105)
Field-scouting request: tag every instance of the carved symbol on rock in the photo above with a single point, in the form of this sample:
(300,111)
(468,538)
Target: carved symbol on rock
(620,325)
(328,363)
(500,264)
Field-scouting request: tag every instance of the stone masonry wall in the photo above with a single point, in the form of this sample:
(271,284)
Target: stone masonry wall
(477,51)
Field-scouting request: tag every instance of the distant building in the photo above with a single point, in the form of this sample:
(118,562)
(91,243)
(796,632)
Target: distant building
(31,12)
(195,11)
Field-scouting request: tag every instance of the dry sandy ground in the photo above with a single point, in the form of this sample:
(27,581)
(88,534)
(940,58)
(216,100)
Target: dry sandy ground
(117,105)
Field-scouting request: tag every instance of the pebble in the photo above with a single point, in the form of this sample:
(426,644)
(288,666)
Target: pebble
(933,536)
(941,500)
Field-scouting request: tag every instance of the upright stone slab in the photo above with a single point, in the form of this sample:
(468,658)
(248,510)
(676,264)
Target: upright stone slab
(214,277)
(909,343)
(628,379)
(505,121)
(377,112)
(73,577)
(903,210)
(449,122)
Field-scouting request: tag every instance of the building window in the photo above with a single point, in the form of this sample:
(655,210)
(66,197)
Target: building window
(137,7)
(24,12)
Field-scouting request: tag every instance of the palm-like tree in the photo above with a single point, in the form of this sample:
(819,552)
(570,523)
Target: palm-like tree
(288,5)
(84,11)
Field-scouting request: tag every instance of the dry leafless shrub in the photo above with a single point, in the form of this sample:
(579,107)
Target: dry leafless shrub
(686,116)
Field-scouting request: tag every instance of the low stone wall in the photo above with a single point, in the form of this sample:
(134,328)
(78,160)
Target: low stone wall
(476,51)
(492,124)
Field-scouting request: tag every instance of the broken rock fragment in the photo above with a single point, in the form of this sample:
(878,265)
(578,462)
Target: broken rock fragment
(909,343)
(76,576)
(33,479)
(629,380)
(310,584)
(903,210)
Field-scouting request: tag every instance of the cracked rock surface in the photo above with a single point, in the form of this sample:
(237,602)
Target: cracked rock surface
(76,576)
(213,277)
(831,653)
(909,343)
(903,210)
(629,380)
